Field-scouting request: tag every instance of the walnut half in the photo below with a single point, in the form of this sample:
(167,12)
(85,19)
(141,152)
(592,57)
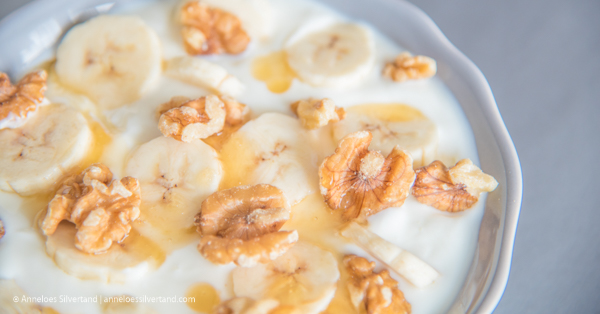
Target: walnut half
(315,113)
(363,182)
(193,119)
(454,189)
(241,225)
(101,209)
(208,30)
(408,67)
(18,102)
(377,292)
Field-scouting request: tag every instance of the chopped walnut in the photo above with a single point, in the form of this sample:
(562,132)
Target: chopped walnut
(436,186)
(242,225)
(465,172)
(244,305)
(174,102)
(377,292)
(314,113)
(102,212)
(18,102)
(409,67)
(236,113)
(208,30)
(194,119)
(2,231)
(363,182)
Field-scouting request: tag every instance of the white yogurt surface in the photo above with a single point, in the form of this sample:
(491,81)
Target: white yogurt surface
(445,241)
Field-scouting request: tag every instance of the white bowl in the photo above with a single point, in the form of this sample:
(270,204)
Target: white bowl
(30,34)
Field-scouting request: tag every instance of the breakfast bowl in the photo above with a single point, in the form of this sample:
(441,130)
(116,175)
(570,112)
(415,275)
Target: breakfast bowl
(30,35)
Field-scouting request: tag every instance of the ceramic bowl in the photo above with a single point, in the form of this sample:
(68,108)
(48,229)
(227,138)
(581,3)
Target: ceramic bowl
(30,34)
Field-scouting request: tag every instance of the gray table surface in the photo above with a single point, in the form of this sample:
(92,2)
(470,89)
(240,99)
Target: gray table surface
(542,60)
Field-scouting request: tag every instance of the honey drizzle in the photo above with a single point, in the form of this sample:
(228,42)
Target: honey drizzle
(143,247)
(238,160)
(274,70)
(202,297)
(389,112)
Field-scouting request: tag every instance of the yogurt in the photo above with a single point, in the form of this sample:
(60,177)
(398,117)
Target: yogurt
(445,241)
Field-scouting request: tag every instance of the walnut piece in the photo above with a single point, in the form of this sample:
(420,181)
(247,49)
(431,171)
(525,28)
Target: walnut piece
(377,292)
(363,182)
(174,102)
(241,225)
(436,187)
(409,67)
(244,305)
(236,113)
(315,113)
(465,172)
(18,102)
(208,30)
(102,212)
(2,231)
(193,119)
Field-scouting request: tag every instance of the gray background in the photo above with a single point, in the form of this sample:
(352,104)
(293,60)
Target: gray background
(542,60)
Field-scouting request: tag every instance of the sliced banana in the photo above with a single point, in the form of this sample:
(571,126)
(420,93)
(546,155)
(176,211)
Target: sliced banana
(49,145)
(338,55)
(407,265)
(256,15)
(305,277)
(273,149)
(202,73)
(13,299)
(175,177)
(418,137)
(113,59)
(130,260)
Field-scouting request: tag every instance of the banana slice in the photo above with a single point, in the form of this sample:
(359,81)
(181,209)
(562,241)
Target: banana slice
(305,277)
(273,149)
(407,265)
(9,292)
(418,137)
(199,72)
(130,260)
(175,177)
(256,15)
(49,145)
(339,55)
(113,59)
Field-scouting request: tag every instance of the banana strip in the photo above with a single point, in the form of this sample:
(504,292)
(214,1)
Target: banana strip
(199,72)
(407,265)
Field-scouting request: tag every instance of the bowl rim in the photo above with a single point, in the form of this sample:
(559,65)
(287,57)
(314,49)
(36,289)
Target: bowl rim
(475,78)
(514,176)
